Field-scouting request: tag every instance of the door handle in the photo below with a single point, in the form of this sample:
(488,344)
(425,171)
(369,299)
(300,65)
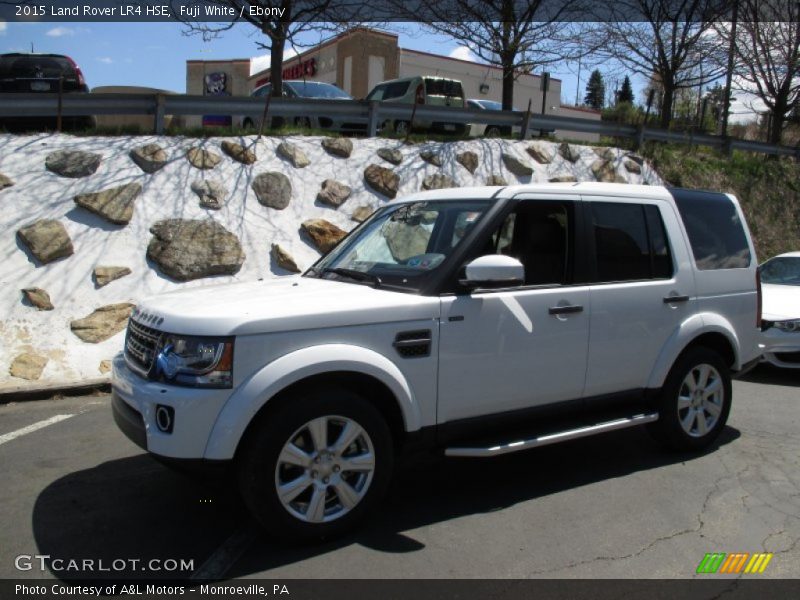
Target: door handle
(671,299)
(565,310)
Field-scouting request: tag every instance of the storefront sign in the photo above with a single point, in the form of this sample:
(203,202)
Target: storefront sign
(304,68)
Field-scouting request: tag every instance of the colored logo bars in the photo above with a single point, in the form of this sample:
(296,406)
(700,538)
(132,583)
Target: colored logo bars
(737,562)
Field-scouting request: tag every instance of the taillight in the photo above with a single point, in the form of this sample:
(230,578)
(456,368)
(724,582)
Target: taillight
(758,294)
(78,72)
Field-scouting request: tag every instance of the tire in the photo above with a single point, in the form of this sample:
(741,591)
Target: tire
(492,132)
(401,127)
(690,420)
(326,490)
(248,124)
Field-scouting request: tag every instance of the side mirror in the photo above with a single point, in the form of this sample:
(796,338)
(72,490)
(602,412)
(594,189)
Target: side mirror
(494,271)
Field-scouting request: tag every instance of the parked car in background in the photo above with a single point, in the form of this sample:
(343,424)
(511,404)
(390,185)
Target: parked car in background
(316,90)
(780,279)
(41,73)
(484,130)
(432,91)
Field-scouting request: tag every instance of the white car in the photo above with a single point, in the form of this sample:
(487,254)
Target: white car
(780,278)
(472,322)
(484,130)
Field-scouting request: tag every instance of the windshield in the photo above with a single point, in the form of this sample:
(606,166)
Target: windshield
(315,89)
(782,271)
(403,244)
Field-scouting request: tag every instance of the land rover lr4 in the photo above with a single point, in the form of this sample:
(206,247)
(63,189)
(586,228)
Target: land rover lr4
(475,321)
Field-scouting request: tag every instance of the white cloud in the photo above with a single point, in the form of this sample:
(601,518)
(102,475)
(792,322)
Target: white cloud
(463,53)
(105,60)
(60,32)
(260,63)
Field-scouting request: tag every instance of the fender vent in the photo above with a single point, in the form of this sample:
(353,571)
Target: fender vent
(413,344)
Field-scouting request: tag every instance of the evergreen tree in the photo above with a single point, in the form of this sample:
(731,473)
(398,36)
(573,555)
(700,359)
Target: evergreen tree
(626,91)
(595,90)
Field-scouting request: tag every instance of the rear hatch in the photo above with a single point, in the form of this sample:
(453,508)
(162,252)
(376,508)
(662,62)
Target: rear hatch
(39,73)
(444,92)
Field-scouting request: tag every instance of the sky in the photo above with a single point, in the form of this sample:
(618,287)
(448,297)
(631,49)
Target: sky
(155,54)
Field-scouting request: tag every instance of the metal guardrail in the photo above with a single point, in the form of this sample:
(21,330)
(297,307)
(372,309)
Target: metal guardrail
(371,114)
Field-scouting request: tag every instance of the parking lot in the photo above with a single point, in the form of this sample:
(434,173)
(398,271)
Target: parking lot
(613,506)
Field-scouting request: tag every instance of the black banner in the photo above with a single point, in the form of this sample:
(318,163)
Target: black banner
(372,11)
(396,589)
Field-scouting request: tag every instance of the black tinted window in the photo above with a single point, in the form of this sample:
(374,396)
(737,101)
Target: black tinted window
(35,66)
(622,248)
(659,248)
(539,235)
(444,87)
(396,90)
(715,230)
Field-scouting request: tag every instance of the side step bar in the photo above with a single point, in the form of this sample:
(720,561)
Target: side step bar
(553,438)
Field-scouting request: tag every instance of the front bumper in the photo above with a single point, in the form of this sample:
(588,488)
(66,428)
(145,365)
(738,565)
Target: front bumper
(134,402)
(781,348)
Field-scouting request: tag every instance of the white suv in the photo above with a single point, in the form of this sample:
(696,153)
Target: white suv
(472,321)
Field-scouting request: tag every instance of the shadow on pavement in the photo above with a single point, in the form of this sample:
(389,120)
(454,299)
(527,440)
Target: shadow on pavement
(771,375)
(134,508)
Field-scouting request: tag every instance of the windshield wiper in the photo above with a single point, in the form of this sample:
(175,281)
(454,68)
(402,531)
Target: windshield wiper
(353,274)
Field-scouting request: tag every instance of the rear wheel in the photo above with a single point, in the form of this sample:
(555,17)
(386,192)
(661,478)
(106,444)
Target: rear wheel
(695,401)
(315,467)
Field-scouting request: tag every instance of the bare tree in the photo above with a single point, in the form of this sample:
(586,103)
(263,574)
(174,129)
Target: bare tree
(516,35)
(280,21)
(672,44)
(767,49)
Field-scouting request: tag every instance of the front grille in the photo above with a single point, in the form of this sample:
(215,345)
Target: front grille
(788,357)
(141,346)
(413,344)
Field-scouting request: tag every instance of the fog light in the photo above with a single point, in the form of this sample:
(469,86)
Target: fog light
(165,418)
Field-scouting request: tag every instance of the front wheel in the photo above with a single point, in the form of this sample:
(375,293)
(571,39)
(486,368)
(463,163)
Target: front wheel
(695,401)
(312,469)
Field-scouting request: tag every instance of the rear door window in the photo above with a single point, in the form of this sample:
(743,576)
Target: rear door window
(716,233)
(630,242)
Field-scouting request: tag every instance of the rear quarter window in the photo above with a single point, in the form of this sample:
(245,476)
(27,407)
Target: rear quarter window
(716,233)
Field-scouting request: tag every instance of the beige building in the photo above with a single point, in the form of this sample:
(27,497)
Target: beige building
(361,58)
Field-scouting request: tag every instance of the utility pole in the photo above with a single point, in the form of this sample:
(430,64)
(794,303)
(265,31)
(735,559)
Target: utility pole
(726,106)
(578,87)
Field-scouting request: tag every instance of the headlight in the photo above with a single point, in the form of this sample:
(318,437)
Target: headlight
(196,361)
(792,325)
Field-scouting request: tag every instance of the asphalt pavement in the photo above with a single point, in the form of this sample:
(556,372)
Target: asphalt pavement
(613,506)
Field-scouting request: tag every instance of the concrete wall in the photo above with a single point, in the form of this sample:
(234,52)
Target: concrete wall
(145,123)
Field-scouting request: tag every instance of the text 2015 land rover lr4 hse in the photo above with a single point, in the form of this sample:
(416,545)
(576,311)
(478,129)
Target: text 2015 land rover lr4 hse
(476,321)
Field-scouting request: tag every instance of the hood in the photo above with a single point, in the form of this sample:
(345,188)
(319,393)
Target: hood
(285,304)
(780,302)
